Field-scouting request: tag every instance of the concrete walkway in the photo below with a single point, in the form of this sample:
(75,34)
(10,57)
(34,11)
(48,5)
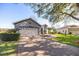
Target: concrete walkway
(44,47)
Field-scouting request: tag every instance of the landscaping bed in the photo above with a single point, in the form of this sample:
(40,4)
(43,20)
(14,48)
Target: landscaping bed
(67,39)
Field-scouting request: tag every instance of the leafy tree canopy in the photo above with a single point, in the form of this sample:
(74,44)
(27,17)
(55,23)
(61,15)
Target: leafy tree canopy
(56,12)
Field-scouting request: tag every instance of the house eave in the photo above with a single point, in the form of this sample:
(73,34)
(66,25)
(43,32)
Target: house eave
(26,20)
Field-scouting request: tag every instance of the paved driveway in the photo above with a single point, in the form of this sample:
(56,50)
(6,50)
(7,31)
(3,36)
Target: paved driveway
(44,47)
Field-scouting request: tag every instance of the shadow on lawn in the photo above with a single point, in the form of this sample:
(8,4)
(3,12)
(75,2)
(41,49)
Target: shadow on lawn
(7,48)
(7,54)
(70,40)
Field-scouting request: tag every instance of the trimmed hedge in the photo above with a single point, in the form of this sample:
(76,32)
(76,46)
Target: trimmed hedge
(9,36)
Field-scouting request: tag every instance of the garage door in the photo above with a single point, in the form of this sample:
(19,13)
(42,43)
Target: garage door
(29,32)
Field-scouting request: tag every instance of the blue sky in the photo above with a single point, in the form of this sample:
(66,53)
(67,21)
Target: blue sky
(10,13)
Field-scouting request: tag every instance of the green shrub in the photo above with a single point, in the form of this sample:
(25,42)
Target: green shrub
(70,32)
(9,36)
(11,31)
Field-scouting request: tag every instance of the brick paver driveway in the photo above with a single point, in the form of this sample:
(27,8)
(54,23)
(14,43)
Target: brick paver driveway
(44,47)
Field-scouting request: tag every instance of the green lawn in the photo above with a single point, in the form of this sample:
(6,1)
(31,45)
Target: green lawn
(7,48)
(68,39)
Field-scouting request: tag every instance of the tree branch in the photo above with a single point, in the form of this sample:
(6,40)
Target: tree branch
(71,16)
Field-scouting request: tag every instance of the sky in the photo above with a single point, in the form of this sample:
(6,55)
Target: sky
(10,13)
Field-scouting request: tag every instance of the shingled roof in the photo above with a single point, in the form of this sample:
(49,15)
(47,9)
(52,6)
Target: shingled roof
(26,20)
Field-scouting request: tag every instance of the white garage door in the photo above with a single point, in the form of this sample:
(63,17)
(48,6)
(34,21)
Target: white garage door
(29,32)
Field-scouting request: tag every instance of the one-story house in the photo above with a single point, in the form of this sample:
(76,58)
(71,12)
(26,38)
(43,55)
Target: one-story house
(73,29)
(29,27)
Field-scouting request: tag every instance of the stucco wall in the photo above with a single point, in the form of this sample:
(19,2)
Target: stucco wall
(63,30)
(74,30)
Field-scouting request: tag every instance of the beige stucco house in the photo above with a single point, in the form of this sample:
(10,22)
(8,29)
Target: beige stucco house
(29,27)
(74,29)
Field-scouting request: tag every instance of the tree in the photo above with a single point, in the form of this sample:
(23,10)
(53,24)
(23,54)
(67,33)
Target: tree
(11,31)
(56,12)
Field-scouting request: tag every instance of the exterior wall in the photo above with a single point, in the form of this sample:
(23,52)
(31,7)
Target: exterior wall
(74,30)
(44,29)
(39,30)
(64,30)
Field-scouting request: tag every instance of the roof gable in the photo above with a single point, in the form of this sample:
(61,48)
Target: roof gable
(27,20)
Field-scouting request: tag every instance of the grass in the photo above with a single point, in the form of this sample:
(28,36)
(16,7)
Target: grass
(68,39)
(7,48)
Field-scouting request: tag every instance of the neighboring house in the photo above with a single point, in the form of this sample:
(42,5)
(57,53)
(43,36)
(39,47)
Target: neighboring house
(74,29)
(29,27)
